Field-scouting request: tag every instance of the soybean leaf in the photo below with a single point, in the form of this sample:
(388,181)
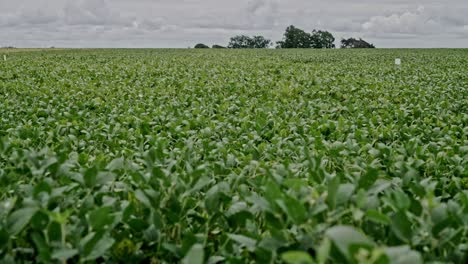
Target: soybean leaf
(347,239)
(195,255)
(403,255)
(19,219)
(248,242)
(297,257)
(64,254)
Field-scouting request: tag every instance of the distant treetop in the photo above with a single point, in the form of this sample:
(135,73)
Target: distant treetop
(215,46)
(201,46)
(353,43)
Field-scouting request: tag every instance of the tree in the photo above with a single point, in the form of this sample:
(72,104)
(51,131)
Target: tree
(294,38)
(201,46)
(259,42)
(353,43)
(218,47)
(297,38)
(246,42)
(322,40)
(239,42)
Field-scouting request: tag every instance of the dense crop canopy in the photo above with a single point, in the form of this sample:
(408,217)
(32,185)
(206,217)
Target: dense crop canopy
(226,156)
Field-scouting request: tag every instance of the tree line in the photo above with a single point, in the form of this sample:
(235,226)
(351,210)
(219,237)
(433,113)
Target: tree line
(293,38)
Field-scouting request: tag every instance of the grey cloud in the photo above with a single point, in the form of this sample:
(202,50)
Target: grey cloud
(151,24)
(93,12)
(170,23)
(80,12)
(7,20)
(253,15)
(28,17)
(263,13)
(37,17)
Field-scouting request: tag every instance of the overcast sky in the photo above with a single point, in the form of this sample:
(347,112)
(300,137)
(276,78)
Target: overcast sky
(183,23)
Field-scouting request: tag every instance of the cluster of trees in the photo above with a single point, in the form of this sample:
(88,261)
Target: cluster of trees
(297,38)
(293,38)
(242,42)
(246,42)
(356,44)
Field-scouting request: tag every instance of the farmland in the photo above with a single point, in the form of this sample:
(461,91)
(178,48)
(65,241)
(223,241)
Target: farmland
(226,156)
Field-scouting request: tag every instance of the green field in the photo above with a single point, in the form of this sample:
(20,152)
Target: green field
(228,156)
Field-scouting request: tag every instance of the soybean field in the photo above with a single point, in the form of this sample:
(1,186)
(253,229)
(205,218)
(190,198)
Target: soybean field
(234,156)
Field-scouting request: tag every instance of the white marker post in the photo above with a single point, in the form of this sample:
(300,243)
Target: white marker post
(4,57)
(398,62)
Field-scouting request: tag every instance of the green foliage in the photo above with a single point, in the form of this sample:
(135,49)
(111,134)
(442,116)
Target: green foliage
(295,38)
(222,156)
(195,255)
(297,257)
(246,42)
(322,39)
(356,44)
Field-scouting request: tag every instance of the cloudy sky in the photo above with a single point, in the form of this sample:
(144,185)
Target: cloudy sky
(183,23)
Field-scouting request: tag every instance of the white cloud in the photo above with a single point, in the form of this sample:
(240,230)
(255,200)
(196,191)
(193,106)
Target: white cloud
(422,21)
(418,22)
